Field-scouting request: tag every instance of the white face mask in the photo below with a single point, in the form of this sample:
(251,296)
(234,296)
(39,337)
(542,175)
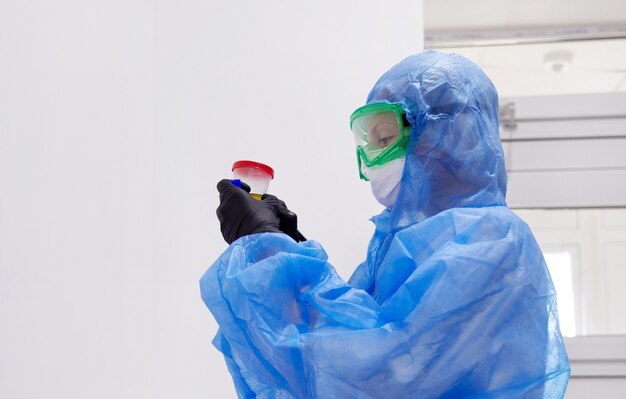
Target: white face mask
(385,180)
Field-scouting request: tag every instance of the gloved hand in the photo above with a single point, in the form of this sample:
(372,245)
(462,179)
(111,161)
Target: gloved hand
(288,220)
(241,215)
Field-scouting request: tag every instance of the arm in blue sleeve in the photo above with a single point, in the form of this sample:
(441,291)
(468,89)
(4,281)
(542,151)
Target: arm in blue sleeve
(265,292)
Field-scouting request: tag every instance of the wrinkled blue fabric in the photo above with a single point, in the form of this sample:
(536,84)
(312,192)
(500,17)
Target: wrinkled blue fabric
(454,299)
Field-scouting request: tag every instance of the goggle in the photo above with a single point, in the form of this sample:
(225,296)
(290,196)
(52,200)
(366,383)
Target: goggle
(381,132)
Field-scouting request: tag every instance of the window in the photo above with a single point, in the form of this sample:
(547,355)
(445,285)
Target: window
(561,270)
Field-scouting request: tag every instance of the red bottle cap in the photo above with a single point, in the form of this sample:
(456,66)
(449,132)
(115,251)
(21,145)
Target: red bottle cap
(252,164)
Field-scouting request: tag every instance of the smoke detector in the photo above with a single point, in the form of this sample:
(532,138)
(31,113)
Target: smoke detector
(558,61)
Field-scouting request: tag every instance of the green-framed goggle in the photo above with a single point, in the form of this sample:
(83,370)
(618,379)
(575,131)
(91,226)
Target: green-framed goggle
(381,132)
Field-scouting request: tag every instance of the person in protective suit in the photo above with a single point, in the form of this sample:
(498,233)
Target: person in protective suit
(454,299)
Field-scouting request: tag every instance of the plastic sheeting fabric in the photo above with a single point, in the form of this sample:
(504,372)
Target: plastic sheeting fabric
(454,299)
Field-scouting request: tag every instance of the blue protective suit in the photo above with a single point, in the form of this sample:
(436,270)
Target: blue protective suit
(454,299)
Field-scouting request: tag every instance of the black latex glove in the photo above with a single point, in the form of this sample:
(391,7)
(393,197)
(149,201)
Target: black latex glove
(241,215)
(288,220)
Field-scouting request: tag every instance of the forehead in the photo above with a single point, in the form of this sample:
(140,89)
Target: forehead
(381,120)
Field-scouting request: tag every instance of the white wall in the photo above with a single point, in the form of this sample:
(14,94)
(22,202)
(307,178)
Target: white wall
(598,367)
(587,131)
(117,118)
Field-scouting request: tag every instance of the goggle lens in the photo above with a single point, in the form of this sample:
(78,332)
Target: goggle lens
(380,131)
(376,131)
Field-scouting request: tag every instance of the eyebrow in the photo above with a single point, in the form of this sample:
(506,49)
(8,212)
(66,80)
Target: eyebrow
(376,128)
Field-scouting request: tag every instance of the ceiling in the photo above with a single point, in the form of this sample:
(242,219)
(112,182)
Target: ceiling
(498,14)
(535,47)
